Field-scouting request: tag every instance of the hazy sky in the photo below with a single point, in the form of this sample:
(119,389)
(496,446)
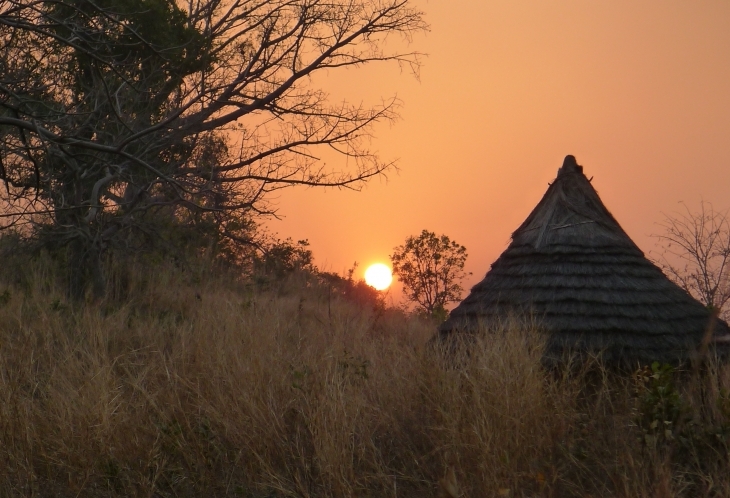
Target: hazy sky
(639,92)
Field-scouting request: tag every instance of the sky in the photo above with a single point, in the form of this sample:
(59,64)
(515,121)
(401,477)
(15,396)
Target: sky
(639,92)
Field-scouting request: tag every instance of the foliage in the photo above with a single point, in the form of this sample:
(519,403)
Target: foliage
(694,435)
(120,120)
(284,264)
(660,405)
(696,254)
(353,290)
(431,268)
(283,258)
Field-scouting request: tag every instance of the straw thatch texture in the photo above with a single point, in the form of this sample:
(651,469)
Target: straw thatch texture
(573,269)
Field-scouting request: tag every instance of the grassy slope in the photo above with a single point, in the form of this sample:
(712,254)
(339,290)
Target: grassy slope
(209,389)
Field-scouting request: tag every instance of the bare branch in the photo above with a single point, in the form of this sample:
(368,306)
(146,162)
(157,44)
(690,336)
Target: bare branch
(695,253)
(113,116)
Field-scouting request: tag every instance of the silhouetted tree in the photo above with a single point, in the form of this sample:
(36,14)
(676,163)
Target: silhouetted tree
(696,254)
(431,269)
(285,257)
(354,290)
(119,118)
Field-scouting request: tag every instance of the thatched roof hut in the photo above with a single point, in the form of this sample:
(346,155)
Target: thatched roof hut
(573,269)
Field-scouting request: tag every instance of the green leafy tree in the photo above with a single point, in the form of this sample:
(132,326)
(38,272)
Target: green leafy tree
(122,118)
(431,269)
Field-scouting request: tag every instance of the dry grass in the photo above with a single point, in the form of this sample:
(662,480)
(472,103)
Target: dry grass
(209,389)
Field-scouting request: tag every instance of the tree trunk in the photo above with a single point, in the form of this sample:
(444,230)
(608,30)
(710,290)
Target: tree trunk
(85,268)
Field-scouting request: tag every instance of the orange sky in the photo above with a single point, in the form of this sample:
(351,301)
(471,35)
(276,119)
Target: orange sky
(639,92)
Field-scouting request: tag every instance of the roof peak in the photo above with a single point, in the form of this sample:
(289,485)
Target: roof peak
(571,214)
(570,165)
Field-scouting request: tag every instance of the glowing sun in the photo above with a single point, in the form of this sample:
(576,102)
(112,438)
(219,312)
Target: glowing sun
(378,276)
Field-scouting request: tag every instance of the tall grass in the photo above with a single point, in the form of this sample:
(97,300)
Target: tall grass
(204,387)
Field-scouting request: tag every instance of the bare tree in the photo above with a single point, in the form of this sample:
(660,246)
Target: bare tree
(696,254)
(431,268)
(118,115)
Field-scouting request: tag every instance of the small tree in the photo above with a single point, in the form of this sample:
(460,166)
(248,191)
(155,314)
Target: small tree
(696,254)
(431,269)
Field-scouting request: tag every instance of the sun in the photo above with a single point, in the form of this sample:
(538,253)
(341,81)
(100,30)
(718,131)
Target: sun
(378,276)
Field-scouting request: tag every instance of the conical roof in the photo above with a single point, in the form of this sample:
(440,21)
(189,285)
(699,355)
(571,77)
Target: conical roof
(572,268)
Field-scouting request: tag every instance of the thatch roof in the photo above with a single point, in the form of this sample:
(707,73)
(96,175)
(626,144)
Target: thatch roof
(572,268)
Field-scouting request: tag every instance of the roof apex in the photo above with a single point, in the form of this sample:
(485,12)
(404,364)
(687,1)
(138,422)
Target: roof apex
(571,213)
(570,165)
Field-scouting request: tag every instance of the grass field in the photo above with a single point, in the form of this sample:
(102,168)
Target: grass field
(206,387)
